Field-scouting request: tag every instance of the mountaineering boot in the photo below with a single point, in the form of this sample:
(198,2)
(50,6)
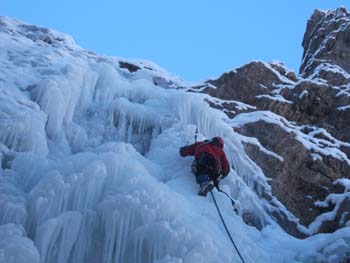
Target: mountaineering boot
(205,187)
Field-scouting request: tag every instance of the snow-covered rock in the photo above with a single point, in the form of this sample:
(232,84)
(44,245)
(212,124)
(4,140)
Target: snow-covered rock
(327,42)
(312,120)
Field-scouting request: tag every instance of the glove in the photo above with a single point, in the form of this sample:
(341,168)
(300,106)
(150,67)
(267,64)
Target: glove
(182,151)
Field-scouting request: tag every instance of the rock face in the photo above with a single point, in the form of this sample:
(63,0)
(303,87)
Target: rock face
(304,120)
(326,40)
(258,76)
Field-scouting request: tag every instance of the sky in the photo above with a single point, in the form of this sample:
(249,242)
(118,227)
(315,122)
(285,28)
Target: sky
(194,39)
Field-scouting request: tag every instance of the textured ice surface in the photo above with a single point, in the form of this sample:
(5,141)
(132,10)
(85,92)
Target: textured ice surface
(15,247)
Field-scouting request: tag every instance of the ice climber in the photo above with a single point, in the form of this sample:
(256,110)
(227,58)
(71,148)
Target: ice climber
(210,164)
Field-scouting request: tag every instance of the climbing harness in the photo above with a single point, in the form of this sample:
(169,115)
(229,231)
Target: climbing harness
(223,222)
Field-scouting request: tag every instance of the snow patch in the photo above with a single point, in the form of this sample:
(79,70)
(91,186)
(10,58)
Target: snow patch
(278,98)
(344,108)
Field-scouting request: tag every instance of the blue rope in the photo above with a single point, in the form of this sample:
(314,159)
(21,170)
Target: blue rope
(223,222)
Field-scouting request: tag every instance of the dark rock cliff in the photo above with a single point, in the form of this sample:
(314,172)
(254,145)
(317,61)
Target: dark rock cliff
(314,107)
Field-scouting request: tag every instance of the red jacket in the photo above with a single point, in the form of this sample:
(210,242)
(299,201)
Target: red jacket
(206,147)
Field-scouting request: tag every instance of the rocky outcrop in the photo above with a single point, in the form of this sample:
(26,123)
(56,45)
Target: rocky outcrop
(261,78)
(302,178)
(312,138)
(313,103)
(326,41)
(129,66)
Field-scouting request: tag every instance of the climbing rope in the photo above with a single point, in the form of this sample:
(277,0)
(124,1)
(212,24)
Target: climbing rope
(223,222)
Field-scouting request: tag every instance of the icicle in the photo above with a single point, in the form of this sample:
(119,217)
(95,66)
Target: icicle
(12,201)
(55,238)
(135,123)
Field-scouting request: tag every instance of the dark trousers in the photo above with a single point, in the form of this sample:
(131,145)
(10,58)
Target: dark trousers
(205,164)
